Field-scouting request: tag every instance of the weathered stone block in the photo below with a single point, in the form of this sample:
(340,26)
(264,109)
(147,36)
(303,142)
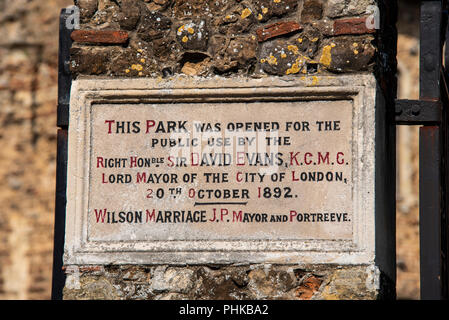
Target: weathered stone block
(89,61)
(270,283)
(340,8)
(166,49)
(178,280)
(308,41)
(347,54)
(312,11)
(129,14)
(237,54)
(158,5)
(237,20)
(282,57)
(309,286)
(266,9)
(193,34)
(243,50)
(153,25)
(87,8)
(190,8)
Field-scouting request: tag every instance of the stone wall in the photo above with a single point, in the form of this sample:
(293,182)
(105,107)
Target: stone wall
(223,37)
(213,282)
(309,39)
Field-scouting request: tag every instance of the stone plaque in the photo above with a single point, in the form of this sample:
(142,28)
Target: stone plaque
(192,172)
(214,171)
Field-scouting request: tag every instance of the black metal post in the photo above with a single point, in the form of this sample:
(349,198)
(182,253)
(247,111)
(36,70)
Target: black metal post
(58,280)
(429,213)
(64,75)
(64,85)
(430,172)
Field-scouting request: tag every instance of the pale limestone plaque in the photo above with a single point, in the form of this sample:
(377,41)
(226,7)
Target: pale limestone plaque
(237,181)
(260,171)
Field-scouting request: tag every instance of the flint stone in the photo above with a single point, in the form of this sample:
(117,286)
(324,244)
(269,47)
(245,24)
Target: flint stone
(193,35)
(87,8)
(153,25)
(266,9)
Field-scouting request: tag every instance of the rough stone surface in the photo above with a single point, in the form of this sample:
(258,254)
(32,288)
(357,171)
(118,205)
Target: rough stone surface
(129,15)
(225,283)
(193,35)
(153,26)
(199,38)
(87,8)
(312,11)
(348,54)
(94,61)
(341,8)
(267,9)
(237,20)
(291,57)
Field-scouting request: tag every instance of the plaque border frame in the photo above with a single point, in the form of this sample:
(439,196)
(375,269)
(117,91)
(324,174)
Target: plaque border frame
(362,90)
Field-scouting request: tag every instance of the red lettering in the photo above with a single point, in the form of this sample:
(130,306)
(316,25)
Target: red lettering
(306,160)
(240,157)
(293,214)
(239,174)
(224,212)
(323,159)
(141,177)
(342,161)
(170,162)
(100,215)
(294,176)
(150,124)
(133,162)
(293,157)
(237,216)
(151,216)
(100,162)
(192,160)
(110,122)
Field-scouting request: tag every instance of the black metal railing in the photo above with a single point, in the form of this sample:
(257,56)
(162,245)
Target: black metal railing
(430,112)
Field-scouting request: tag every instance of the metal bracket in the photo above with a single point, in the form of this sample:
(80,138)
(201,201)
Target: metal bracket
(64,75)
(418,112)
(64,86)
